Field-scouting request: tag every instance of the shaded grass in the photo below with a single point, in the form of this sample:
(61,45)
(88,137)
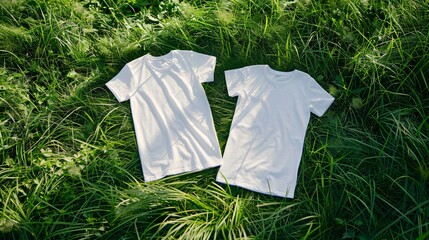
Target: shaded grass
(69,165)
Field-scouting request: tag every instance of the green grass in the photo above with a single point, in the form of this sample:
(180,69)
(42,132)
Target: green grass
(69,167)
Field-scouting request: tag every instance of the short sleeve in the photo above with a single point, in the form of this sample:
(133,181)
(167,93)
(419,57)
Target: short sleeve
(203,66)
(123,85)
(319,99)
(234,81)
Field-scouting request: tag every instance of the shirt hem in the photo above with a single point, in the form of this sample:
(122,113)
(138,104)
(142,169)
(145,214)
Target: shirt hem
(250,186)
(178,171)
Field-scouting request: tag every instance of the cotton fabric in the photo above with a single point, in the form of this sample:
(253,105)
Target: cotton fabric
(171,114)
(265,144)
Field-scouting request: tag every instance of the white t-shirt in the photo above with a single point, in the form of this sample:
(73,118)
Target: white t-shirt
(171,114)
(267,132)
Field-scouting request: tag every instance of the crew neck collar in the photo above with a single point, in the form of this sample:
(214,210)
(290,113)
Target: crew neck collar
(277,77)
(166,60)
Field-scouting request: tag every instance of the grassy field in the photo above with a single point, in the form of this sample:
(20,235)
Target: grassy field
(69,167)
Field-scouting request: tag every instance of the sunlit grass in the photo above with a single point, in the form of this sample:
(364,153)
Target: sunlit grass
(69,167)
